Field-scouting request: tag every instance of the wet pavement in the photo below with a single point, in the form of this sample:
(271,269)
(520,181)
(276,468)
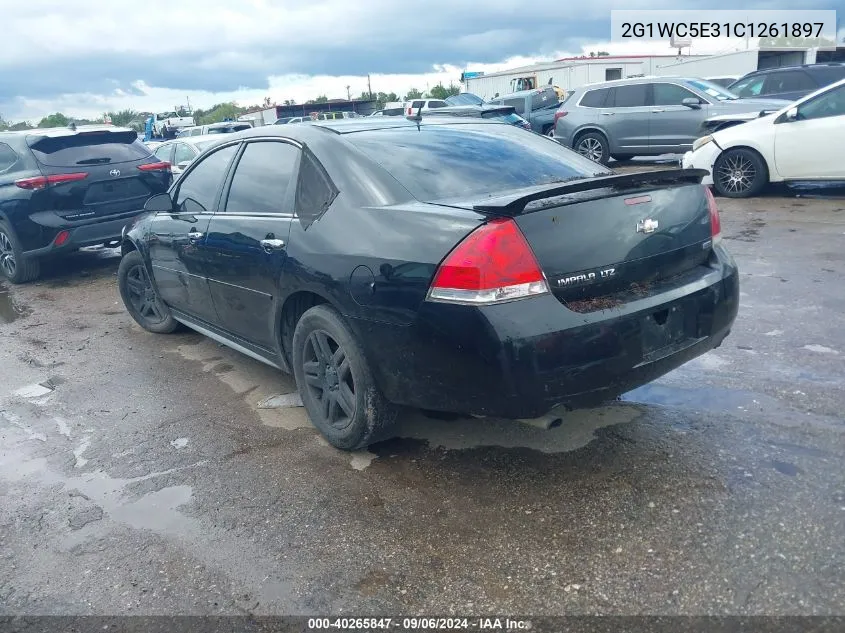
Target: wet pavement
(165,474)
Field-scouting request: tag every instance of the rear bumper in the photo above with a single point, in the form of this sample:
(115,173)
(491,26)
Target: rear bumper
(522,359)
(83,233)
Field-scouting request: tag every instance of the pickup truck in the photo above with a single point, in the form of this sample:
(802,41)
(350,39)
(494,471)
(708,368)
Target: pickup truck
(538,107)
(166,124)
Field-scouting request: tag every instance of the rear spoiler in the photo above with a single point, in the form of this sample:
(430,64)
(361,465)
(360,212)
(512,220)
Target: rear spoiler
(507,205)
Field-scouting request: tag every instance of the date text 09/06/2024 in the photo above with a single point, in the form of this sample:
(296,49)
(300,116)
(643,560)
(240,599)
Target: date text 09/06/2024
(418,624)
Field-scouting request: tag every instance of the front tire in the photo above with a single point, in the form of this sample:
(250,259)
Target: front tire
(13,265)
(336,383)
(739,173)
(140,298)
(594,146)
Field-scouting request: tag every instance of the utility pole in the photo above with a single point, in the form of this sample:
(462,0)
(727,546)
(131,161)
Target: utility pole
(348,93)
(369,86)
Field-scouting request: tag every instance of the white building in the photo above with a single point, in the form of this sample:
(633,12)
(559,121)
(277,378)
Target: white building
(568,73)
(573,72)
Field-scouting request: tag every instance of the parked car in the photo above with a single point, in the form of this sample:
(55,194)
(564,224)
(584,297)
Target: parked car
(423,105)
(390,109)
(536,106)
(65,188)
(291,119)
(788,82)
(505,114)
(722,82)
(647,116)
(801,142)
(225,127)
(464,98)
(181,152)
(384,267)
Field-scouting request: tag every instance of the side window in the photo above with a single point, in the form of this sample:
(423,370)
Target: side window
(611,74)
(437,104)
(750,87)
(198,188)
(518,104)
(595,98)
(314,190)
(793,81)
(262,178)
(417,104)
(184,153)
(164,152)
(671,94)
(831,103)
(8,158)
(632,96)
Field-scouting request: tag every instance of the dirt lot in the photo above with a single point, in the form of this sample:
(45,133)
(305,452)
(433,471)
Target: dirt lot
(139,475)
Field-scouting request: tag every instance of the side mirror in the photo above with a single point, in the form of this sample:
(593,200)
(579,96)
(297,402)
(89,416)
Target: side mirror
(692,103)
(159,203)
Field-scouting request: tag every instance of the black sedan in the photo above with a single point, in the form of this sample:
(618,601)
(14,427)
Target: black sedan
(453,265)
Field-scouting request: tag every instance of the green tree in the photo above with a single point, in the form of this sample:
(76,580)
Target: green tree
(218,112)
(439,92)
(54,120)
(124,117)
(290,102)
(321,99)
(413,93)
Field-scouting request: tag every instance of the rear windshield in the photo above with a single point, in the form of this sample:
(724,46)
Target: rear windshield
(89,148)
(507,117)
(435,162)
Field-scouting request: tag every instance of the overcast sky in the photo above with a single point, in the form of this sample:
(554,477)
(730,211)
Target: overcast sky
(83,58)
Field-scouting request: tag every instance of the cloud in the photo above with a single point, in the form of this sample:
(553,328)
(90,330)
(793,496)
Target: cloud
(57,54)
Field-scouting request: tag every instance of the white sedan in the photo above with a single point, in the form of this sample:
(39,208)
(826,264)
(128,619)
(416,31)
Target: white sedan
(802,142)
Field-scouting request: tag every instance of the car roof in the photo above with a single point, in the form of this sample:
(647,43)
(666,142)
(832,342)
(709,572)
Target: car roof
(67,131)
(483,107)
(193,140)
(806,67)
(636,80)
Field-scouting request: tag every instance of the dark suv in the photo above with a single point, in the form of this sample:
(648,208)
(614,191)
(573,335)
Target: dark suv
(65,188)
(789,82)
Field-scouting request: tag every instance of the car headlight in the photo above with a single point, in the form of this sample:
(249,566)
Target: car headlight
(701,142)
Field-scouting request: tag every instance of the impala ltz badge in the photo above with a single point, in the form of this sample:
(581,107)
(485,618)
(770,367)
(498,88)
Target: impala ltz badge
(647,226)
(114,172)
(586,277)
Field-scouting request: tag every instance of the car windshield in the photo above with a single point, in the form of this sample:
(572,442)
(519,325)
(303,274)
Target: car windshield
(436,162)
(713,90)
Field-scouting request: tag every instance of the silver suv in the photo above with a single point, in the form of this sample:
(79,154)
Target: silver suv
(647,116)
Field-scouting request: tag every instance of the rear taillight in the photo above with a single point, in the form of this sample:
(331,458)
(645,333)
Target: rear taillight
(493,264)
(162,166)
(42,182)
(61,238)
(560,114)
(715,221)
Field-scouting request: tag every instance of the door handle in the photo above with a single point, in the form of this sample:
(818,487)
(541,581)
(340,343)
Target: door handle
(656,111)
(608,113)
(195,235)
(271,245)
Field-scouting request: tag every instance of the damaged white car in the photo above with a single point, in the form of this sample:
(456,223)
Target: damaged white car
(801,142)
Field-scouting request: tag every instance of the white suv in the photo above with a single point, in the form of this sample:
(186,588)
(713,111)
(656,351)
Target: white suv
(412,107)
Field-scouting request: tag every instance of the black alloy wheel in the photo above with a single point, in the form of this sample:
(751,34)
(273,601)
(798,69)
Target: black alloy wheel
(140,298)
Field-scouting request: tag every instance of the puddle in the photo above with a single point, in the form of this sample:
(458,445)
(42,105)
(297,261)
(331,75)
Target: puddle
(702,398)
(10,310)
(576,430)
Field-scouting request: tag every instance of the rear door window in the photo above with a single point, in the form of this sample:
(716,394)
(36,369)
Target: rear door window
(184,153)
(789,81)
(262,178)
(437,104)
(314,191)
(633,96)
(750,87)
(164,152)
(89,148)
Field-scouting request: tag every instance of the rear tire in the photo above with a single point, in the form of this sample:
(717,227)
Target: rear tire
(593,145)
(13,265)
(336,384)
(740,173)
(140,298)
